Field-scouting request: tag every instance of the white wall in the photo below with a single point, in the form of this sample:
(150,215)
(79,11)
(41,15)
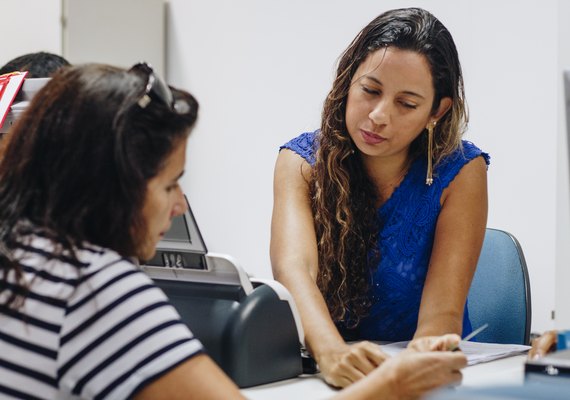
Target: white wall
(29,26)
(108,31)
(261,70)
(96,31)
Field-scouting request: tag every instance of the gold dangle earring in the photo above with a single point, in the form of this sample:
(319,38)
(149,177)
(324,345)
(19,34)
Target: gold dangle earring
(429,176)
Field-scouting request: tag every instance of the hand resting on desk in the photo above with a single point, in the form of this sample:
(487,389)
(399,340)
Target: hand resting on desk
(408,376)
(435,343)
(350,362)
(543,344)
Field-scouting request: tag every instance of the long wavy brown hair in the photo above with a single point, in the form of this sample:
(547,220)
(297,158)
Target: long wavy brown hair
(343,196)
(76,164)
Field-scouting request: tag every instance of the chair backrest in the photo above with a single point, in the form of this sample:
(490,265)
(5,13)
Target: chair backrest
(500,291)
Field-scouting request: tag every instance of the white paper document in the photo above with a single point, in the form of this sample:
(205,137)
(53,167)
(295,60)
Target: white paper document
(476,352)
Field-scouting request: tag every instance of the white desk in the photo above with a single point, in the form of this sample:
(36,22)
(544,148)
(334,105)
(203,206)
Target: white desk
(506,371)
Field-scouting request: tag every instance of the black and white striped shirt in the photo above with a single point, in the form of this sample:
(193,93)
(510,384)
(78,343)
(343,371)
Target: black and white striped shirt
(97,328)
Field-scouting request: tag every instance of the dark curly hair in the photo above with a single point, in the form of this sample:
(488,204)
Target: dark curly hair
(342,194)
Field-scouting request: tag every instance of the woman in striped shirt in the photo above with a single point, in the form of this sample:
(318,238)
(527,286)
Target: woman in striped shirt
(88,184)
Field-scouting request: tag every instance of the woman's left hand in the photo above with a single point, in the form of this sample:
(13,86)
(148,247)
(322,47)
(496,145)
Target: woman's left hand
(543,344)
(435,343)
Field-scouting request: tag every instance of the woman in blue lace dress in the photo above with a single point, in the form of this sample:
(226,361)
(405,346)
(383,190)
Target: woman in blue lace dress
(379,216)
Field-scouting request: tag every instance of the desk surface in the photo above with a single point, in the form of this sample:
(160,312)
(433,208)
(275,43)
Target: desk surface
(506,371)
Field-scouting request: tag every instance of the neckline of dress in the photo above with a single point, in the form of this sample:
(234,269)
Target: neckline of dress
(403,183)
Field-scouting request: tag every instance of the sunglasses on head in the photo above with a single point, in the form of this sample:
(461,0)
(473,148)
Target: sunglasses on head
(156,89)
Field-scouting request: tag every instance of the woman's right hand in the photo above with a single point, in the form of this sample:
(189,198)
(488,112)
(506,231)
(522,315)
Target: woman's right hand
(413,374)
(349,363)
(543,344)
(408,375)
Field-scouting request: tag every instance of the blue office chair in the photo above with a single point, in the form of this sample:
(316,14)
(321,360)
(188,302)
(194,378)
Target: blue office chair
(500,291)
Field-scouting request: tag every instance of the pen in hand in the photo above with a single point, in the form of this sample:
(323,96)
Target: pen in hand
(470,336)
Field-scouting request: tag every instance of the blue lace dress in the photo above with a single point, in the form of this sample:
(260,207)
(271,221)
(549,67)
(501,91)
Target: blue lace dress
(407,219)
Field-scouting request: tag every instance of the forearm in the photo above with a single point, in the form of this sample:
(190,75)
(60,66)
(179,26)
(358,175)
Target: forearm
(196,378)
(443,302)
(372,387)
(321,333)
(457,243)
(439,323)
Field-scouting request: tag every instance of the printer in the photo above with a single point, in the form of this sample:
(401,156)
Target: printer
(250,327)
(28,90)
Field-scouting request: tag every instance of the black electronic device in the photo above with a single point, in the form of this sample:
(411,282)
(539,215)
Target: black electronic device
(553,367)
(250,327)
(182,245)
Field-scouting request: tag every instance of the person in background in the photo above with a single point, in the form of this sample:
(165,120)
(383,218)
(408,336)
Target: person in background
(39,65)
(379,216)
(89,183)
(543,344)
